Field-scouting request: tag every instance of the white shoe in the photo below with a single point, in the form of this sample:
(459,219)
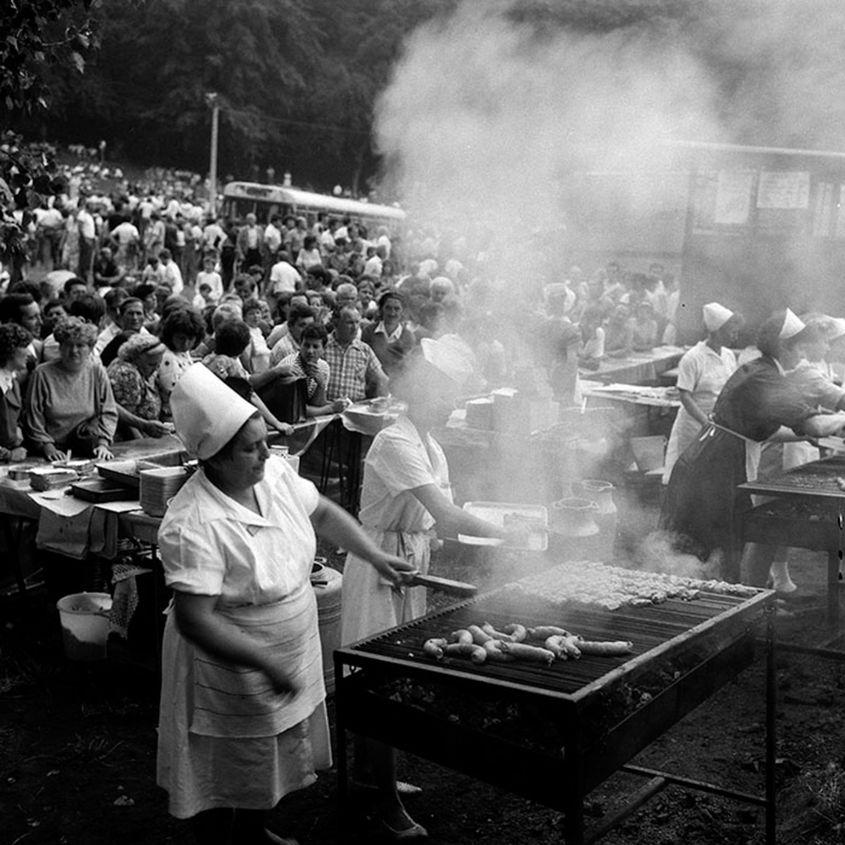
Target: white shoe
(784,585)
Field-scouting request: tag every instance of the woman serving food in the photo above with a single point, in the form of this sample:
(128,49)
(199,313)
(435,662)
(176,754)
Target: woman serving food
(405,494)
(243,720)
(761,401)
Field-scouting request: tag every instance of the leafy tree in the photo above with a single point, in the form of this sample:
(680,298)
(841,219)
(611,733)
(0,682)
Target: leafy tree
(34,35)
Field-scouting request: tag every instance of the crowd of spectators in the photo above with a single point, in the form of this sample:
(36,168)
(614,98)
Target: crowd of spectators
(300,317)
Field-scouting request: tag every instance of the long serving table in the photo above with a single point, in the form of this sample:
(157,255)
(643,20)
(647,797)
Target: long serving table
(804,507)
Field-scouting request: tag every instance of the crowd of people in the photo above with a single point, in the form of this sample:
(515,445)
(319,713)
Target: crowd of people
(301,316)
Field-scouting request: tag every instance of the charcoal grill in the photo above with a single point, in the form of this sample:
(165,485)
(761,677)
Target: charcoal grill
(808,513)
(553,734)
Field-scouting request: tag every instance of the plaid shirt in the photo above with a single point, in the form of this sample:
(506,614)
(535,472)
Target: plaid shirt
(350,369)
(298,371)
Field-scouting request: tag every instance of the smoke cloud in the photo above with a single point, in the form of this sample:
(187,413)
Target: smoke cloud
(485,118)
(488,115)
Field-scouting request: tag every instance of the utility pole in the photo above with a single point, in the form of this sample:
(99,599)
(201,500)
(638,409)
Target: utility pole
(211,99)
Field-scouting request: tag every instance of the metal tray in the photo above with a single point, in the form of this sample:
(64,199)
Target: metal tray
(495,512)
(125,472)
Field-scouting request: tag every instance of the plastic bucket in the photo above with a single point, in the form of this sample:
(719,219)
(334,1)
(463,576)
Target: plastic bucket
(327,584)
(85,625)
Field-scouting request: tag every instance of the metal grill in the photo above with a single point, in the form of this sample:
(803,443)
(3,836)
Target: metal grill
(551,733)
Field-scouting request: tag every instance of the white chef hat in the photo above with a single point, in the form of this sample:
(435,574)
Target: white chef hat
(835,328)
(715,316)
(450,359)
(207,414)
(792,326)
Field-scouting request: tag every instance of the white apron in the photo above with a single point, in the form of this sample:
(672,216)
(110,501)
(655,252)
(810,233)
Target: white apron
(229,740)
(377,605)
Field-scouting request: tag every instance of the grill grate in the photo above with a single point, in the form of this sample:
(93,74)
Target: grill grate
(646,627)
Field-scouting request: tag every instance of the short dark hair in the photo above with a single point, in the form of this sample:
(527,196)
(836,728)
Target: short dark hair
(231,338)
(22,286)
(298,311)
(181,321)
(130,300)
(91,308)
(390,294)
(12,337)
(143,290)
(251,305)
(316,331)
(114,296)
(55,302)
(12,304)
(73,281)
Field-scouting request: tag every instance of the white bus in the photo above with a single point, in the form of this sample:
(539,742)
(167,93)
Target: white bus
(242,198)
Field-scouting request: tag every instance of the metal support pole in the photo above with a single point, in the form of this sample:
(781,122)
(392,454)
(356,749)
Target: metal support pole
(771,720)
(211,99)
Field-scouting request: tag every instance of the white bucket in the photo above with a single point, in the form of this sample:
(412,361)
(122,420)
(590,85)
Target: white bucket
(327,584)
(85,625)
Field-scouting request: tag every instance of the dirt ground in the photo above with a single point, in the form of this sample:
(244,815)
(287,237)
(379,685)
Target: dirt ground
(77,750)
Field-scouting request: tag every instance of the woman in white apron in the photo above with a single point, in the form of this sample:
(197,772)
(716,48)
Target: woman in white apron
(702,373)
(242,719)
(405,494)
(759,402)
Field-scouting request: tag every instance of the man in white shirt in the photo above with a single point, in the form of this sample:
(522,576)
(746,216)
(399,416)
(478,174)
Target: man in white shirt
(272,241)
(48,233)
(87,240)
(209,276)
(213,235)
(284,277)
(373,264)
(171,274)
(126,238)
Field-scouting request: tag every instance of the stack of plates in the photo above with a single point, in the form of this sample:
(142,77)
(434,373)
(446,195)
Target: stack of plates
(159,486)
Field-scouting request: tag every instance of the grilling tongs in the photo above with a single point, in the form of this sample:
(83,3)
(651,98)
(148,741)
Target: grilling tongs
(462,589)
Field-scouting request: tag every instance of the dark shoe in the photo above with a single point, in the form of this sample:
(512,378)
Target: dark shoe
(416,831)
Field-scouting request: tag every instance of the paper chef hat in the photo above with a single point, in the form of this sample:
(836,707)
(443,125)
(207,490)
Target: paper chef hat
(207,414)
(451,359)
(791,326)
(715,316)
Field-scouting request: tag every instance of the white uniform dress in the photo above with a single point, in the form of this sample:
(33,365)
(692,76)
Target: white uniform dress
(819,379)
(226,739)
(399,460)
(703,372)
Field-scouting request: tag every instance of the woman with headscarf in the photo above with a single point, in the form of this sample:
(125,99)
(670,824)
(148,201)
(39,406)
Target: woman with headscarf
(132,377)
(69,403)
(758,403)
(242,718)
(702,373)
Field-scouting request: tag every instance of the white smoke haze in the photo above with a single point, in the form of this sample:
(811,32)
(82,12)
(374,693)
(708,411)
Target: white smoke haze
(487,124)
(485,117)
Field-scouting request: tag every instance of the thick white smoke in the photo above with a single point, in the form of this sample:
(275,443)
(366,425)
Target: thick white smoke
(485,117)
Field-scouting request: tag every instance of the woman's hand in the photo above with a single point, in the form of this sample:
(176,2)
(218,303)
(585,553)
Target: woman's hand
(51,453)
(339,406)
(283,428)
(17,454)
(395,569)
(102,453)
(154,428)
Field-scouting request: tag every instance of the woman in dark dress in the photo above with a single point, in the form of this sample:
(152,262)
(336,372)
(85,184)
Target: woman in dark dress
(760,402)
